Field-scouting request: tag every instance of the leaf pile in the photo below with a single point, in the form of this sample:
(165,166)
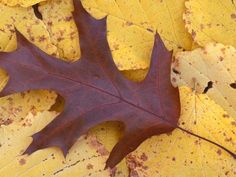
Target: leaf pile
(200,140)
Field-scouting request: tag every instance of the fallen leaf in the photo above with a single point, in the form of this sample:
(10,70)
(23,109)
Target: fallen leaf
(132,25)
(25,21)
(57,16)
(86,158)
(211,21)
(14,124)
(180,154)
(56,34)
(14,108)
(209,70)
(108,134)
(15,137)
(23,3)
(94,86)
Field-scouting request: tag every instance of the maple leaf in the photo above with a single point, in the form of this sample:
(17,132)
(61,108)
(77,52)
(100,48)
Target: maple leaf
(95,91)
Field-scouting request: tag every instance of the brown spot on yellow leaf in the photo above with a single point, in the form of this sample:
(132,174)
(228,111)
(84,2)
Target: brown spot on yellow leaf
(22,161)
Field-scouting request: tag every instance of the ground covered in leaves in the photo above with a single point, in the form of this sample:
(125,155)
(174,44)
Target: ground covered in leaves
(201,34)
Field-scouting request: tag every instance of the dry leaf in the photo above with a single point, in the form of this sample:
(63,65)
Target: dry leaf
(57,16)
(23,3)
(108,134)
(56,34)
(163,155)
(94,86)
(131,39)
(15,133)
(132,25)
(86,158)
(209,70)
(15,137)
(211,21)
(15,127)
(25,21)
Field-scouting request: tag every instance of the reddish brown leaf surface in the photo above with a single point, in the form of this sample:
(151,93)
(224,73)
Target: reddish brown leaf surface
(95,91)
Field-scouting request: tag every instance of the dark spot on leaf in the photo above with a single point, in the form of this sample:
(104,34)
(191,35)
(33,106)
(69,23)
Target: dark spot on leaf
(233,85)
(129,23)
(233,16)
(36,11)
(175,71)
(150,30)
(6,122)
(219,152)
(144,157)
(58,171)
(42,38)
(193,34)
(225,115)
(49,23)
(209,86)
(69,18)
(89,166)
(133,173)
(22,161)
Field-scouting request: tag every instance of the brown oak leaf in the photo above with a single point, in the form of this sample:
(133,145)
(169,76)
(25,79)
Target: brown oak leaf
(95,91)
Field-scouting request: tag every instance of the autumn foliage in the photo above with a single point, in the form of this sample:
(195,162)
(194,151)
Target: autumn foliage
(116,100)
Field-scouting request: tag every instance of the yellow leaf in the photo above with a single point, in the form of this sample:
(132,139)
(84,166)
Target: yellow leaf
(56,34)
(23,3)
(211,21)
(15,107)
(3,79)
(27,23)
(60,24)
(108,134)
(131,26)
(15,137)
(181,154)
(210,69)
(86,158)
(135,75)
(15,127)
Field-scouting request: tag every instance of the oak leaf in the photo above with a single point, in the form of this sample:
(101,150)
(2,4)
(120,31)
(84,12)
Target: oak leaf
(94,86)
